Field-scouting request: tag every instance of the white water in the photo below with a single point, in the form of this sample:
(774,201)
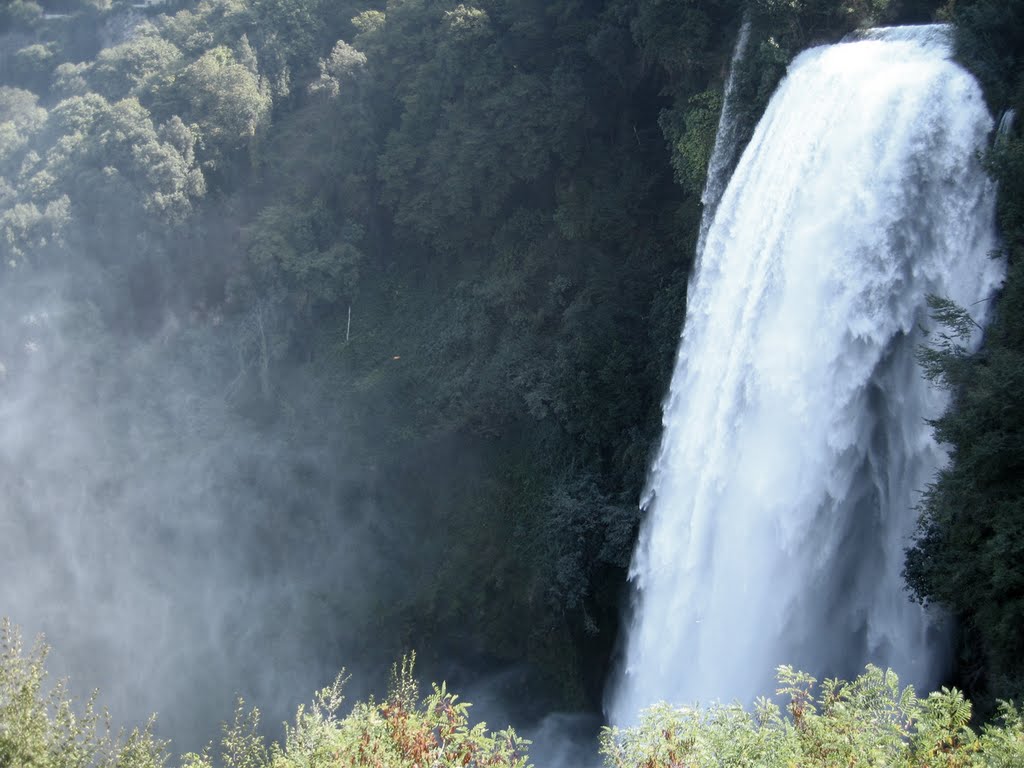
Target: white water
(795,443)
(1006,123)
(726,139)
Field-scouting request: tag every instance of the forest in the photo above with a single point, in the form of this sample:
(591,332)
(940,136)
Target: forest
(437,254)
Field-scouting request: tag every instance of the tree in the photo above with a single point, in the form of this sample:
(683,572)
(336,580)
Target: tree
(20,119)
(113,162)
(342,66)
(28,233)
(70,80)
(969,551)
(131,68)
(290,34)
(228,102)
(33,64)
(990,40)
(477,125)
(206,25)
(304,252)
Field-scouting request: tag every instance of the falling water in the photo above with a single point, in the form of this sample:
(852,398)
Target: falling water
(1006,123)
(723,153)
(795,443)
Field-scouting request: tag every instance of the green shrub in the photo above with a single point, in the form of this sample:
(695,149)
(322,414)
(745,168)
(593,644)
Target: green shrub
(39,727)
(404,731)
(870,721)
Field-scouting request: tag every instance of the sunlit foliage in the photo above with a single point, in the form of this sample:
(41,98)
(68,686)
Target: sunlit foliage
(870,721)
(42,726)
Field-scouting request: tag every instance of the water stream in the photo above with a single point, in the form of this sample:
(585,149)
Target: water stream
(795,441)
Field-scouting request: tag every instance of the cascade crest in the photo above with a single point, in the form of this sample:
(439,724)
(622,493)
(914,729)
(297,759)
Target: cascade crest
(795,439)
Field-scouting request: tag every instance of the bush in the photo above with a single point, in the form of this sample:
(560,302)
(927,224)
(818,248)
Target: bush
(40,728)
(870,721)
(404,731)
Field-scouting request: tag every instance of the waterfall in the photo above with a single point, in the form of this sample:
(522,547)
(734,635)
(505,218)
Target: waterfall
(795,441)
(726,140)
(1006,123)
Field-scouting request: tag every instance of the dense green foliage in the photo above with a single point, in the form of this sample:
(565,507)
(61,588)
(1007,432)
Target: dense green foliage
(869,721)
(404,731)
(454,237)
(969,555)
(41,726)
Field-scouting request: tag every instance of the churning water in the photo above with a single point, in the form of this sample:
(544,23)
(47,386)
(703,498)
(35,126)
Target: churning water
(795,439)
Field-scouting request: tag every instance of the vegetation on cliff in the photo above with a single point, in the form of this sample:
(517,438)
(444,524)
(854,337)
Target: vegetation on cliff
(969,554)
(458,235)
